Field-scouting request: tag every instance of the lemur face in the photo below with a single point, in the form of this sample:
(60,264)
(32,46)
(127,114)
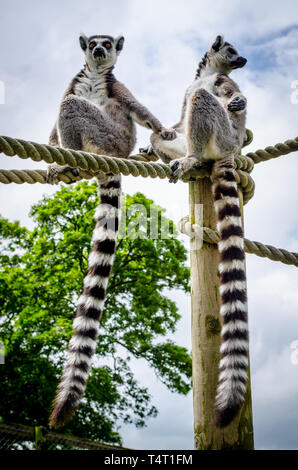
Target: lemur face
(225,55)
(101,50)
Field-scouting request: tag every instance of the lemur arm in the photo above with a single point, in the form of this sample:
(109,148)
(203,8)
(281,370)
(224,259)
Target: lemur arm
(140,113)
(142,116)
(234,99)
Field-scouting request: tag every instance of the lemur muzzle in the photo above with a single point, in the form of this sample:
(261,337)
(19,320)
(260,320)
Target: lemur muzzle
(240,62)
(99,52)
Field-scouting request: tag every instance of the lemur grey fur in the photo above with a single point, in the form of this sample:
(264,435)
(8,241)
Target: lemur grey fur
(97,114)
(212,127)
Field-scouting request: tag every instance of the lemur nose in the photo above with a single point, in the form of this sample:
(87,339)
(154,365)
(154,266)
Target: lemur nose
(242,61)
(99,52)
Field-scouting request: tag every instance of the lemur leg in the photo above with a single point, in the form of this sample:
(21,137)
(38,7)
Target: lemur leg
(168,150)
(54,170)
(82,126)
(208,133)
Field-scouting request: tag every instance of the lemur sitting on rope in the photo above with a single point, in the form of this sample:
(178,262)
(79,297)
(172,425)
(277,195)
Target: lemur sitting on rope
(212,127)
(97,115)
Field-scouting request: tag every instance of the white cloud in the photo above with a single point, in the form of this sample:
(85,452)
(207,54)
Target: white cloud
(275,402)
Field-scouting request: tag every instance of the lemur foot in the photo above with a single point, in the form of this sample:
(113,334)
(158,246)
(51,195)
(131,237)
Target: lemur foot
(148,150)
(237,104)
(53,171)
(168,134)
(175,167)
(181,166)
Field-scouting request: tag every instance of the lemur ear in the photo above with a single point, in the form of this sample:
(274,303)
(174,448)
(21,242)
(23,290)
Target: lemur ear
(119,41)
(83,41)
(218,43)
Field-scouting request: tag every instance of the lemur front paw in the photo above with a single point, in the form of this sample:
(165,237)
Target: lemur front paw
(237,104)
(168,134)
(181,166)
(53,172)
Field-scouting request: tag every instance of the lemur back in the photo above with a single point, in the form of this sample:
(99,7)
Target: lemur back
(97,114)
(212,127)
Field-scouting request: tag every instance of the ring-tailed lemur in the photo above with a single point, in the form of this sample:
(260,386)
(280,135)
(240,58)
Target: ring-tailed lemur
(97,114)
(212,127)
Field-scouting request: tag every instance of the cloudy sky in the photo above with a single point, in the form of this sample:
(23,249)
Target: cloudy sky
(165,39)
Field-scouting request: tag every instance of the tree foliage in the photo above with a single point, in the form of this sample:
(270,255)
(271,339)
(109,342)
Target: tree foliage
(40,280)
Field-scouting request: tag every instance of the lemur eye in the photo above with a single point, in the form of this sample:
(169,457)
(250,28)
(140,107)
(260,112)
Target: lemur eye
(107,45)
(231,50)
(92,45)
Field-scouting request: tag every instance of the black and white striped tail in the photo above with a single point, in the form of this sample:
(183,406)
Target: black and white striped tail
(234,348)
(90,305)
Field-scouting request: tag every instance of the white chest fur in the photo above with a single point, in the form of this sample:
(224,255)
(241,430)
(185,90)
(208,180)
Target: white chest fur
(206,82)
(93,88)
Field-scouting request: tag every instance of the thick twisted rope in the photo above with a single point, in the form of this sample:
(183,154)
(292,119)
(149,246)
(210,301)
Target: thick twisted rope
(253,247)
(90,163)
(82,160)
(39,176)
(276,151)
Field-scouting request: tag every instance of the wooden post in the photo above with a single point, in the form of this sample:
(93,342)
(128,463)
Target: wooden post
(206,325)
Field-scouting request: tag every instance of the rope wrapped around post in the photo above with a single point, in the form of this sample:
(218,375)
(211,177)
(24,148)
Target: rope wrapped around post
(253,247)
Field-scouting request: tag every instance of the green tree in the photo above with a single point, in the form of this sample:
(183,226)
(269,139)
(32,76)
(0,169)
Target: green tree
(40,280)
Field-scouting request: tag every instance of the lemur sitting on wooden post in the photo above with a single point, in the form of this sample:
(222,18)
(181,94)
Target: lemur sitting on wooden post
(212,128)
(97,115)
